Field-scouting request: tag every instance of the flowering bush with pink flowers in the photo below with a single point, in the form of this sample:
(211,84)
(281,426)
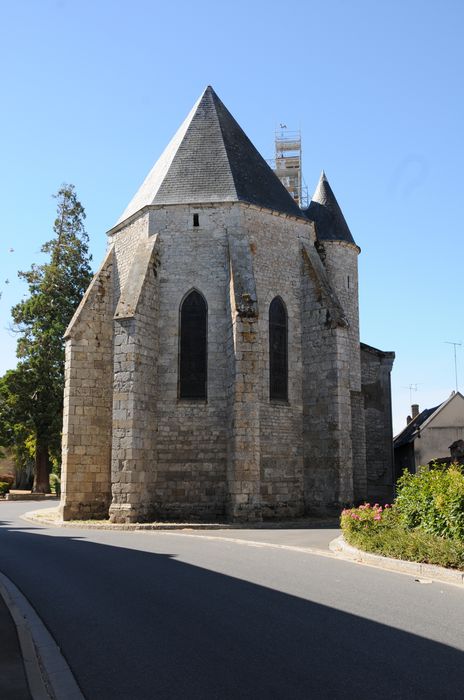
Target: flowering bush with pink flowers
(366,517)
(424,524)
(381,529)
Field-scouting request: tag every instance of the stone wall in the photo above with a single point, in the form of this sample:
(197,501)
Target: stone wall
(376,368)
(244,443)
(190,458)
(237,453)
(126,242)
(341,262)
(135,388)
(358,440)
(87,423)
(326,390)
(274,246)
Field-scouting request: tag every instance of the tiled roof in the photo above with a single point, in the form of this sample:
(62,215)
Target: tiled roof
(324,210)
(409,433)
(210,159)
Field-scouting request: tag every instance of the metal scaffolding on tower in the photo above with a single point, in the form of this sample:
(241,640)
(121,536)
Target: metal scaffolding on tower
(287,164)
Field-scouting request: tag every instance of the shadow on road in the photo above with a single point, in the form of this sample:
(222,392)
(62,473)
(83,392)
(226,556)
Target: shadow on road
(137,625)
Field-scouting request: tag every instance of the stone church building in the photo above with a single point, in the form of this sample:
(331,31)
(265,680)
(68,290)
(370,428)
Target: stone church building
(213,367)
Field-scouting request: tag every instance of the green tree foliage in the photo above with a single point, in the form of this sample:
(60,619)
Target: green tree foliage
(16,428)
(31,396)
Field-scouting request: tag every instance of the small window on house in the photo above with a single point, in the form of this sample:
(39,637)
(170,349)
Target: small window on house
(348,281)
(193,348)
(278,363)
(196,220)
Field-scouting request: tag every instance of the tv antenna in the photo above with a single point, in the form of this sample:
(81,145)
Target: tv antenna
(449,342)
(411,387)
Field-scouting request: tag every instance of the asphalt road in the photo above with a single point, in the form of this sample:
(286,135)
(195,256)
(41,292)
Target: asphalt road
(168,615)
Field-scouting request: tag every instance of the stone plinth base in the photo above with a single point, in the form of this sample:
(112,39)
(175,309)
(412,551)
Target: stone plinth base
(97,510)
(126,513)
(248,511)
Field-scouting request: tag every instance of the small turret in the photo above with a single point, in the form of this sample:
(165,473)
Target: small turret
(339,253)
(325,212)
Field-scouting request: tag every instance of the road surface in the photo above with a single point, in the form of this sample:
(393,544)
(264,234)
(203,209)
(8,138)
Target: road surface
(141,615)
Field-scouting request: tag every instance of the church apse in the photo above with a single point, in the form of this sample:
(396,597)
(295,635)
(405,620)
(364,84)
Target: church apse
(218,346)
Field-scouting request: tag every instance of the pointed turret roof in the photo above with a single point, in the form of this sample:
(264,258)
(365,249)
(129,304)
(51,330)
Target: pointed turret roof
(210,159)
(327,215)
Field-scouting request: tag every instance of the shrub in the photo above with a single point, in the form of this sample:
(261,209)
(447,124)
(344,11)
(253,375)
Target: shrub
(382,530)
(55,484)
(433,500)
(367,519)
(4,488)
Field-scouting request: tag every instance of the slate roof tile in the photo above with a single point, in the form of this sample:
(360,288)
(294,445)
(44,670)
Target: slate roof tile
(325,211)
(210,159)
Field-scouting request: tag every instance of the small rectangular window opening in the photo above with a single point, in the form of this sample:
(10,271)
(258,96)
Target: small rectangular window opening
(348,281)
(196,220)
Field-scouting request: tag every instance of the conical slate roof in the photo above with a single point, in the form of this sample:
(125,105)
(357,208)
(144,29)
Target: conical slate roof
(210,159)
(327,215)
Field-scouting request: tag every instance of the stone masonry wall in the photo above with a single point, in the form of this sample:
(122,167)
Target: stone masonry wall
(358,440)
(237,453)
(244,444)
(126,242)
(86,485)
(135,388)
(341,262)
(326,391)
(376,369)
(190,458)
(274,245)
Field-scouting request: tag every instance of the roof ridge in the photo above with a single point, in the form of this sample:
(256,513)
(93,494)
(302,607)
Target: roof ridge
(217,99)
(278,190)
(214,97)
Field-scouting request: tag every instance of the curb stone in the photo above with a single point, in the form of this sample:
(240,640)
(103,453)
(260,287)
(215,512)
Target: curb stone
(340,547)
(48,674)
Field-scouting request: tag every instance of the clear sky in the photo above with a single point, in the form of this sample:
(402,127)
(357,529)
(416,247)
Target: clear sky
(92,91)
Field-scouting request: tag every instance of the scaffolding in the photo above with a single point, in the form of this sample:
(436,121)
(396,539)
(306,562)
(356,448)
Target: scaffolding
(287,164)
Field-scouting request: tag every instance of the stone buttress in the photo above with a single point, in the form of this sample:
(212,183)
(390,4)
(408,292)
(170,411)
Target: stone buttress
(135,386)
(88,397)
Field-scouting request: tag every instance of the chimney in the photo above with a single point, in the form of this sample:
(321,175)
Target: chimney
(414,410)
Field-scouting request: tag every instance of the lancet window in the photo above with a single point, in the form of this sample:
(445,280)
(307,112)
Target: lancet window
(278,350)
(193,347)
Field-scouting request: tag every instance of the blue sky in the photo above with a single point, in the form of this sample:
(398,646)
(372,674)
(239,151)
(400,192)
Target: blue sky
(92,92)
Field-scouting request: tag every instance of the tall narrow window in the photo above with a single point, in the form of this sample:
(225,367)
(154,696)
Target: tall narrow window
(193,351)
(278,365)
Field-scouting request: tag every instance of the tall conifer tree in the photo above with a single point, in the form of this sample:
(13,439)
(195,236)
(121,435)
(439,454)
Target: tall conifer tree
(35,388)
